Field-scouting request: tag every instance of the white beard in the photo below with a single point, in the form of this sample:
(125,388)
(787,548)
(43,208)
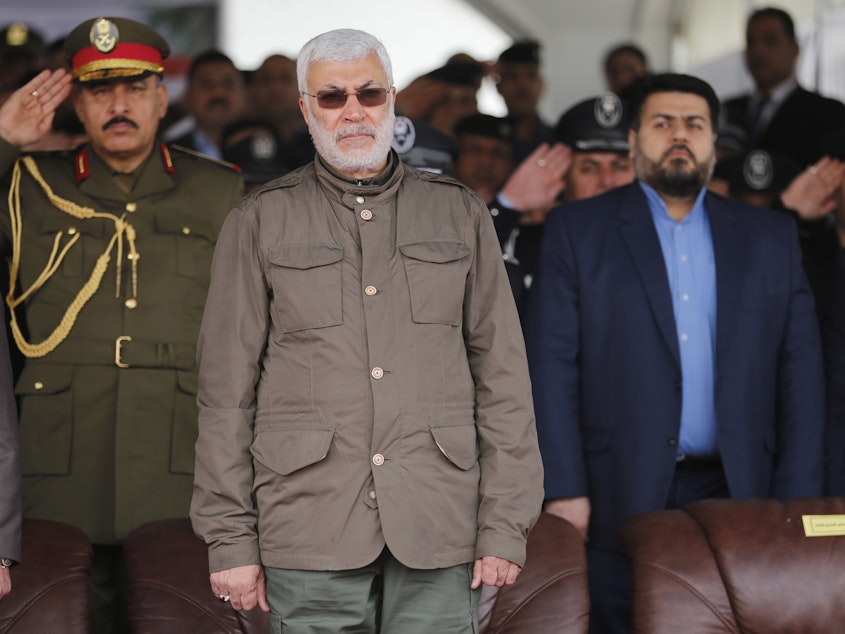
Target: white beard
(353,160)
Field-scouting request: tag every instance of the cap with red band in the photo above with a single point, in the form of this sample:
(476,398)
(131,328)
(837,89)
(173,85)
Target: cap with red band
(114,48)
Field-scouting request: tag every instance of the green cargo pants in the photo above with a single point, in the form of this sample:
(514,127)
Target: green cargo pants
(384,597)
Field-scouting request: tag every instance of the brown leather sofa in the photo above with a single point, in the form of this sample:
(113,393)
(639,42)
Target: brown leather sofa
(50,590)
(167,569)
(736,566)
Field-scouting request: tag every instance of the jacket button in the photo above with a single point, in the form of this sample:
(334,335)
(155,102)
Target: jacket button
(366,214)
(378,460)
(359,200)
(370,290)
(38,385)
(71,231)
(672,441)
(186,231)
(377,373)
(372,495)
(131,303)
(131,207)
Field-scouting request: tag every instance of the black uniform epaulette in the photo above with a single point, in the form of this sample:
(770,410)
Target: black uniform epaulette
(183,150)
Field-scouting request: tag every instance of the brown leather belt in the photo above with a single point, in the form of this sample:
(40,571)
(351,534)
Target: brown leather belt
(125,352)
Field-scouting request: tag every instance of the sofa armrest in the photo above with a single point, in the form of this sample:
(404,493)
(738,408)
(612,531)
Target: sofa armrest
(50,588)
(551,593)
(168,587)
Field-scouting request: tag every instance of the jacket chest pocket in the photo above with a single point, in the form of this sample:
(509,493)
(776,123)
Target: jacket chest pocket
(186,239)
(306,282)
(436,271)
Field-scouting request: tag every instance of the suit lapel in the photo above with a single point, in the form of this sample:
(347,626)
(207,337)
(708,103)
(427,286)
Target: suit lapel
(729,251)
(640,236)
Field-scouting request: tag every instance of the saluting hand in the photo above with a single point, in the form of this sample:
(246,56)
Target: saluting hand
(27,114)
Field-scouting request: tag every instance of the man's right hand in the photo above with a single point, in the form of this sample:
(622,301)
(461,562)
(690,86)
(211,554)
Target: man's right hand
(27,114)
(574,510)
(5,582)
(243,585)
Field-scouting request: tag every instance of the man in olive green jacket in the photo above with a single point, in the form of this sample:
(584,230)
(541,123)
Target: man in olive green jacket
(111,247)
(364,399)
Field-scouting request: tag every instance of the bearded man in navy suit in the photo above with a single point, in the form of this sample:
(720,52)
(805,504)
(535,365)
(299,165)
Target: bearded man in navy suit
(673,344)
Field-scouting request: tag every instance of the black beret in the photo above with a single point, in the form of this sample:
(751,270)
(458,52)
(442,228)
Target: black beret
(598,124)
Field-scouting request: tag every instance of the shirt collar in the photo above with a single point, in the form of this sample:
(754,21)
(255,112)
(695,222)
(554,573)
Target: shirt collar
(660,213)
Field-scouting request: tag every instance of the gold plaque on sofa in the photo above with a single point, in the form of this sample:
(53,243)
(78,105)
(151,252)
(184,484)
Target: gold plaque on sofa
(823,525)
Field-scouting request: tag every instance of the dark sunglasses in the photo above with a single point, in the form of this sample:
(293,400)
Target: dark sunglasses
(333,99)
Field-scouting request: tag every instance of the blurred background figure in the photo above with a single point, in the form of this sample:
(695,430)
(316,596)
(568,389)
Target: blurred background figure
(623,65)
(596,130)
(214,98)
(485,153)
(274,97)
(755,177)
(21,56)
(521,85)
(423,146)
(254,146)
(780,116)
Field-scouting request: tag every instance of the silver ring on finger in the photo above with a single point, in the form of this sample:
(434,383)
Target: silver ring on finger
(35,94)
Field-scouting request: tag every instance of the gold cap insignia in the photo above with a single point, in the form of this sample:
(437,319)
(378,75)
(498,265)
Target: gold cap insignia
(17,34)
(104,35)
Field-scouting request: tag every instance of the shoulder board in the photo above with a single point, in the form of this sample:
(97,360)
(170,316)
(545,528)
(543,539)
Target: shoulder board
(291,179)
(178,149)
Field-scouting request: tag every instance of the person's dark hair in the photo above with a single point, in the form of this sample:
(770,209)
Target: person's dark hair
(672,82)
(779,14)
(627,47)
(208,57)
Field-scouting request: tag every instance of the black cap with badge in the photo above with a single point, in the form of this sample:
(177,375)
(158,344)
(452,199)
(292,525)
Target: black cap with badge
(598,124)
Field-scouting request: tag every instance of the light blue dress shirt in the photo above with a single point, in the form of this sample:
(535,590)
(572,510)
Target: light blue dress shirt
(691,268)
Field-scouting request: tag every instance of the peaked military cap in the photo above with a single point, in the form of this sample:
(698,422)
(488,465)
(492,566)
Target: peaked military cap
(20,39)
(423,146)
(525,52)
(598,124)
(758,171)
(486,125)
(114,48)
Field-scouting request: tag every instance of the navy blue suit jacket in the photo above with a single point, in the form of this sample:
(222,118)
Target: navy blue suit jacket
(605,361)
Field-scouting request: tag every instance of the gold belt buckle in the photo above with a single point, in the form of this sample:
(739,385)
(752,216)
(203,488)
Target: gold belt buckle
(118,343)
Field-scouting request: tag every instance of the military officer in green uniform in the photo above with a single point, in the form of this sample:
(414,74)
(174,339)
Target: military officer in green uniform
(110,247)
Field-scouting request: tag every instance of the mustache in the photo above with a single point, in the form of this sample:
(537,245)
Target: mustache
(119,119)
(217,101)
(354,130)
(678,146)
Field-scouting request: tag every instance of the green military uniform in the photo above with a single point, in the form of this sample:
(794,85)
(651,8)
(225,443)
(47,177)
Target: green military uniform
(109,417)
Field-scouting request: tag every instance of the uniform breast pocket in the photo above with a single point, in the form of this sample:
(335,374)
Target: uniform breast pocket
(306,281)
(437,271)
(46,418)
(187,242)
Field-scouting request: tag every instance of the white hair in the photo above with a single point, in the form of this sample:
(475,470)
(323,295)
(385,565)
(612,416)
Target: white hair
(340,45)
